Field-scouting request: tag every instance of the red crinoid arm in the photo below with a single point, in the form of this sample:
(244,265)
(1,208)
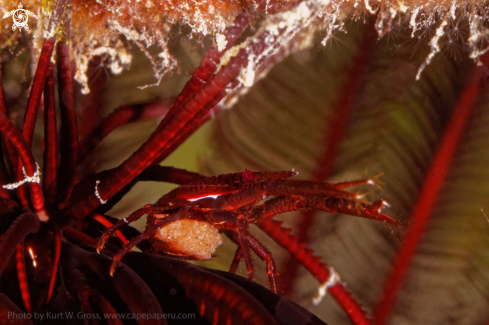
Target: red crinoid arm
(127,114)
(23,225)
(33,106)
(11,154)
(206,68)
(119,117)
(216,298)
(69,128)
(78,236)
(57,256)
(154,173)
(126,284)
(93,102)
(145,155)
(169,175)
(5,150)
(200,77)
(168,150)
(434,181)
(4,179)
(85,306)
(50,165)
(37,89)
(24,287)
(208,64)
(86,293)
(312,263)
(107,224)
(183,134)
(14,135)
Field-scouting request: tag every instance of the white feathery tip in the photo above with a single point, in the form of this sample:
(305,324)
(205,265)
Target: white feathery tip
(27,179)
(97,194)
(386,204)
(333,279)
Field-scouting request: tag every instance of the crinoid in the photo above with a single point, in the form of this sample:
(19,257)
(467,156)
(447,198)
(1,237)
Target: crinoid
(62,207)
(55,214)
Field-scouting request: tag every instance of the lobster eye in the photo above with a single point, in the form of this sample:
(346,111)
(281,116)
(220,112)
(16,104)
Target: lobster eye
(248,175)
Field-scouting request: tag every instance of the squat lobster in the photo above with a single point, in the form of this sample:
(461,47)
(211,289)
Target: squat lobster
(186,222)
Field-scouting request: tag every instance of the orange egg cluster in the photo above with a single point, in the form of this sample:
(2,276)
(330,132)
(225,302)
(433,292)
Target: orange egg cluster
(193,238)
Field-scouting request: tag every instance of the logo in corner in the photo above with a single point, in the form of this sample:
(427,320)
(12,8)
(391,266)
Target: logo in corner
(20,17)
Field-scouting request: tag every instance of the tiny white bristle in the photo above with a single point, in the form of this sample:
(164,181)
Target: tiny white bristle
(97,194)
(386,204)
(221,42)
